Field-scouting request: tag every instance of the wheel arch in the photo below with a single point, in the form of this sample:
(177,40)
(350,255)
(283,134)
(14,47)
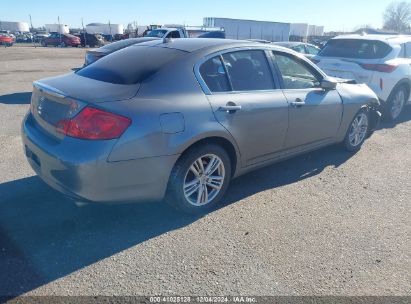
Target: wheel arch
(228,145)
(403,82)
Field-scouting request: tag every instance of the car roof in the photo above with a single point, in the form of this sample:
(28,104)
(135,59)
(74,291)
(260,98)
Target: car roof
(288,43)
(389,39)
(194,44)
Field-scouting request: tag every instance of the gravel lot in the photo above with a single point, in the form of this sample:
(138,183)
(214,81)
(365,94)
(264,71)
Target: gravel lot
(326,223)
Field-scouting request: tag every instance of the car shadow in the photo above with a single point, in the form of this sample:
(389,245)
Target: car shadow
(16,98)
(405,116)
(44,236)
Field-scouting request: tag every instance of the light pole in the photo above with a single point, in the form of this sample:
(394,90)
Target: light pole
(58,18)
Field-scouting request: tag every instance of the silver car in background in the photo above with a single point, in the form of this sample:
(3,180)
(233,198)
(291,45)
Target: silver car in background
(179,119)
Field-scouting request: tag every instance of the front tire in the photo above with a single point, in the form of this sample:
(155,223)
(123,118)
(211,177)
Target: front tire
(357,131)
(395,104)
(199,179)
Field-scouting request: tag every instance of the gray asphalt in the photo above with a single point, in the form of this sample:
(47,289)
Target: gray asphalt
(326,223)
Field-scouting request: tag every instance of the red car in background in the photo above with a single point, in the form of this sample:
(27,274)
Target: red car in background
(62,40)
(6,39)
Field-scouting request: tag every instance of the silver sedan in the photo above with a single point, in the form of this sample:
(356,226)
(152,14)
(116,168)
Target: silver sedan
(177,120)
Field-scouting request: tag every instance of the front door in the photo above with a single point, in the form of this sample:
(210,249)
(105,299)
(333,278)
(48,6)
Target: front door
(314,114)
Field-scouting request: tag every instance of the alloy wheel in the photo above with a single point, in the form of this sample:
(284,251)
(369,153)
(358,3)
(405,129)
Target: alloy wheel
(359,129)
(397,104)
(204,180)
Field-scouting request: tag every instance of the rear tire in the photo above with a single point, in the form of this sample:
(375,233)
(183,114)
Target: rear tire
(357,131)
(395,104)
(199,179)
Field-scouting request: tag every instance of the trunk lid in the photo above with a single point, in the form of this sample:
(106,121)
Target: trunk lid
(60,98)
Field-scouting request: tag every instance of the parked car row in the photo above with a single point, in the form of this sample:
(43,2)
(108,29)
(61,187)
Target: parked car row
(63,40)
(179,119)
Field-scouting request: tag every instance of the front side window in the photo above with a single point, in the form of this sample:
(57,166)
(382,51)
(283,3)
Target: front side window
(213,73)
(299,48)
(312,50)
(174,34)
(295,73)
(249,70)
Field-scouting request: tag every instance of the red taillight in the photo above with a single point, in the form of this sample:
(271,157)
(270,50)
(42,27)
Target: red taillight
(384,68)
(315,60)
(92,123)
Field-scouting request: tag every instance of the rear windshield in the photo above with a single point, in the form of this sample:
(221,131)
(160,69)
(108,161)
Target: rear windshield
(355,48)
(130,65)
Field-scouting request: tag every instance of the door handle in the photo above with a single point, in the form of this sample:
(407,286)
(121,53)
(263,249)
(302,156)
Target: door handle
(230,107)
(298,103)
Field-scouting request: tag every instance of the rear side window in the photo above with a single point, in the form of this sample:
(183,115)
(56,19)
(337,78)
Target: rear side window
(213,73)
(249,70)
(355,48)
(130,65)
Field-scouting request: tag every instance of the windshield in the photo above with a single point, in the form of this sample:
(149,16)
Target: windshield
(157,33)
(355,48)
(130,65)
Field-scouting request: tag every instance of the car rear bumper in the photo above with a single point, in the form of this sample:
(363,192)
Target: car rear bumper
(80,170)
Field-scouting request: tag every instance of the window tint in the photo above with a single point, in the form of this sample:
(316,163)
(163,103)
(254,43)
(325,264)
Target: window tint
(295,74)
(312,50)
(130,65)
(214,75)
(249,70)
(355,48)
(174,34)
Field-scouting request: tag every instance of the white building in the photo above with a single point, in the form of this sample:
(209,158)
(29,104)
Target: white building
(315,30)
(14,26)
(57,28)
(305,30)
(250,29)
(299,30)
(106,29)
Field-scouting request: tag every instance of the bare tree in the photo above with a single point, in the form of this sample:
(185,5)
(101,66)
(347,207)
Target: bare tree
(397,16)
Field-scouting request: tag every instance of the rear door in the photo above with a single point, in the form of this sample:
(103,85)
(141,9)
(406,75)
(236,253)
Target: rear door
(314,114)
(247,101)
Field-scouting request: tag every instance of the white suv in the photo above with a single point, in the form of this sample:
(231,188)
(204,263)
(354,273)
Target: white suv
(383,62)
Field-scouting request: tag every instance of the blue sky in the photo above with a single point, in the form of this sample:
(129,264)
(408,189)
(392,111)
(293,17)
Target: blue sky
(334,15)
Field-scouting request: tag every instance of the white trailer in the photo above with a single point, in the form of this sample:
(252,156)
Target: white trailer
(315,30)
(57,28)
(250,29)
(299,30)
(105,28)
(14,27)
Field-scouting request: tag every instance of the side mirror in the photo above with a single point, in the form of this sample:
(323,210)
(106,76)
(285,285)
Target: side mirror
(327,84)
